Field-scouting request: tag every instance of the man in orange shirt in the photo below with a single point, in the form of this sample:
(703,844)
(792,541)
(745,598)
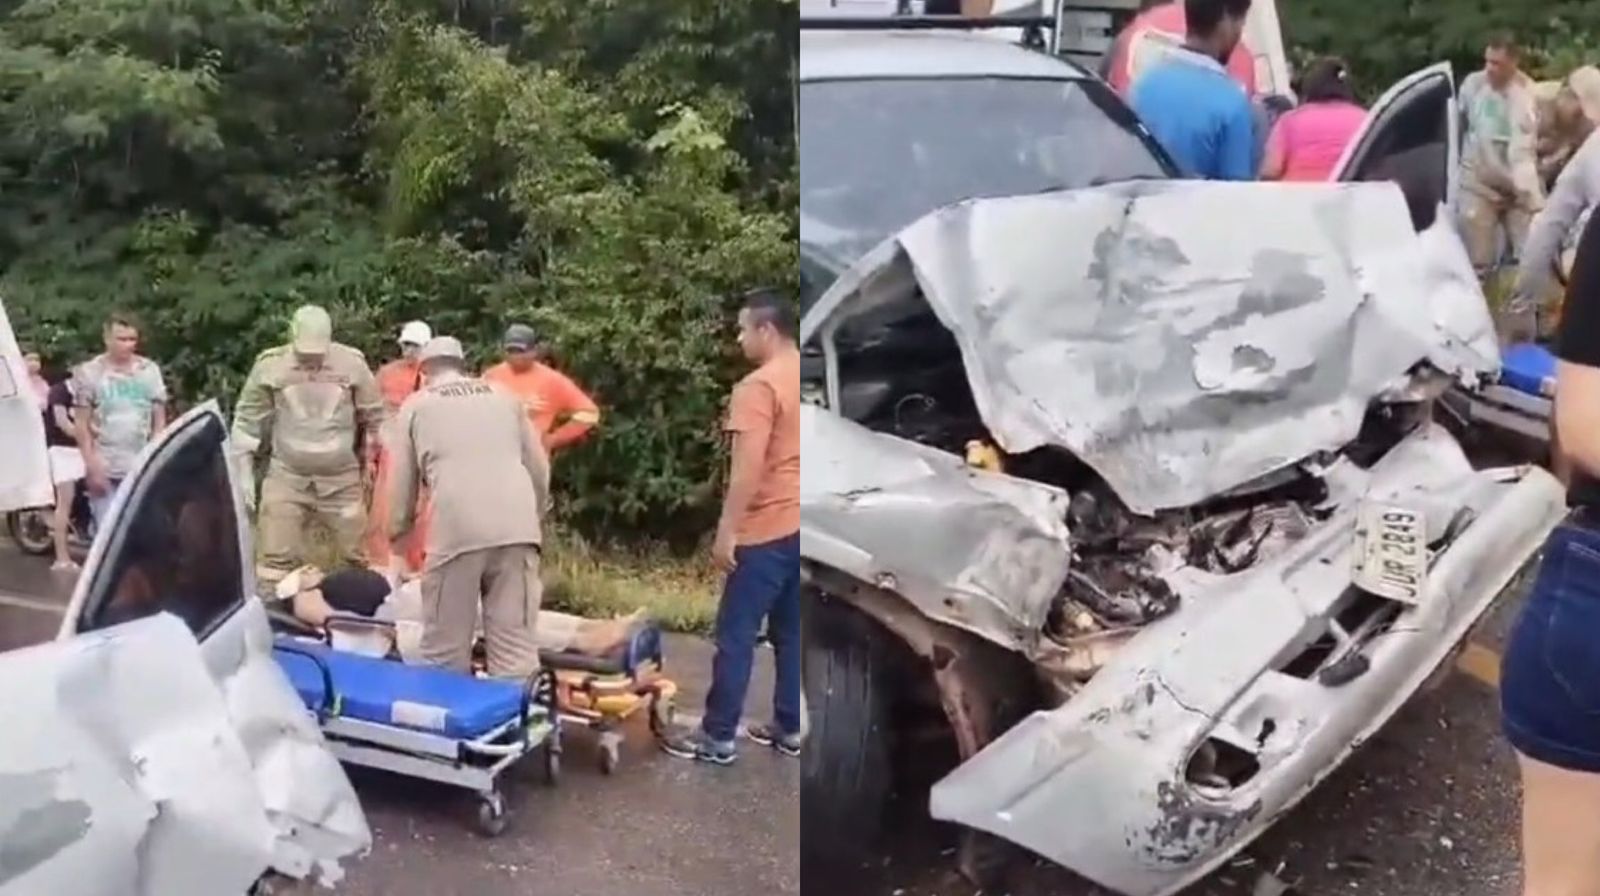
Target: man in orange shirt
(562,413)
(758,541)
(397,380)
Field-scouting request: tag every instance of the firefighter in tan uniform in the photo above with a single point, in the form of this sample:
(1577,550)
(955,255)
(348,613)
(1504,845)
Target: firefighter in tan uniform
(315,405)
(472,445)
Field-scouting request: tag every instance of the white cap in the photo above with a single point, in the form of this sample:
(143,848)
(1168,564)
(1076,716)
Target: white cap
(415,333)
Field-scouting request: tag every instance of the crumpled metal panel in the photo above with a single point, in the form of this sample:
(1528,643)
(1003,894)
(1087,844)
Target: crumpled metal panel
(308,797)
(121,773)
(980,551)
(1178,355)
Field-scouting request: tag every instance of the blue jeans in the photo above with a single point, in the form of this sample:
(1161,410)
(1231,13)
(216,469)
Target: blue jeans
(764,584)
(1550,676)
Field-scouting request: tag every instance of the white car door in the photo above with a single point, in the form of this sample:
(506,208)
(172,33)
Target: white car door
(1412,136)
(24,465)
(173,548)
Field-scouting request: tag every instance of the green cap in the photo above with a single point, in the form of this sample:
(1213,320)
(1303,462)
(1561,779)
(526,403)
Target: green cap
(311,331)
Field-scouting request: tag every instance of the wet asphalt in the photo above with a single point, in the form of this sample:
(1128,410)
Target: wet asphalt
(657,827)
(1427,807)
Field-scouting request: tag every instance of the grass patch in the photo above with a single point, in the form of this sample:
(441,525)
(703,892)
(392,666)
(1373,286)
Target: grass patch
(680,594)
(580,578)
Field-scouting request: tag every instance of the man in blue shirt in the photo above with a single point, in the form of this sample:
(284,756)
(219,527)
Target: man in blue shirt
(1193,106)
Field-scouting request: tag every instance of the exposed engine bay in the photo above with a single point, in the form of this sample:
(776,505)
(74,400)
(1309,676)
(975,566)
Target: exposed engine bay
(907,379)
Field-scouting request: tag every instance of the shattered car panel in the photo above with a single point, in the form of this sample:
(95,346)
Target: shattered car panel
(122,772)
(1249,350)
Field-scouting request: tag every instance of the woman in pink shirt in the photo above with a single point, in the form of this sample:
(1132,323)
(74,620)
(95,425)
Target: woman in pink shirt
(1306,143)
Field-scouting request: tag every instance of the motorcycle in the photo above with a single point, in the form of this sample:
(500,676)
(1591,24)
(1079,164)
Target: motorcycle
(30,527)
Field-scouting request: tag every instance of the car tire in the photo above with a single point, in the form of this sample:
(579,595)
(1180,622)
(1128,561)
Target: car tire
(845,778)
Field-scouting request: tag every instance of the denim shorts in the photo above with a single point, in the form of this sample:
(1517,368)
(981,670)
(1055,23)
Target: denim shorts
(1550,676)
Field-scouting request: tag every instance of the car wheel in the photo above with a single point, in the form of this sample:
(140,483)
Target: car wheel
(845,777)
(31,530)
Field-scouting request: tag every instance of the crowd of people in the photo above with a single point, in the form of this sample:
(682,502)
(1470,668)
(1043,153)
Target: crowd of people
(1528,173)
(428,474)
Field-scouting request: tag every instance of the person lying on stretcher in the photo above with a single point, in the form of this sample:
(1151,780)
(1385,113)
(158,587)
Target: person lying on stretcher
(362,613)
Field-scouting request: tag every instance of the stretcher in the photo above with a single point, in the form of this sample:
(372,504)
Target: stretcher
(1520,401)
(425,721)
(603,693)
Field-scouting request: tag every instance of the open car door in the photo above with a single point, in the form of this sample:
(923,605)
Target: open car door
(1412,137)
(168,582)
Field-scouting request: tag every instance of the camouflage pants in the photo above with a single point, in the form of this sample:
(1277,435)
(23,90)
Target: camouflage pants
(290,502)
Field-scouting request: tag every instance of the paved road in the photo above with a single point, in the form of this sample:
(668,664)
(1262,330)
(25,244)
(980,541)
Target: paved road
(1427,807)
(659,827)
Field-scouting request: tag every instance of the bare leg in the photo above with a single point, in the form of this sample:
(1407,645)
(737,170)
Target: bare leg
(60,519)
(1560,830)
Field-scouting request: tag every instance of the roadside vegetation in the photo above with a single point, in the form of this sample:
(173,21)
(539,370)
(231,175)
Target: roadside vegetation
(612,173)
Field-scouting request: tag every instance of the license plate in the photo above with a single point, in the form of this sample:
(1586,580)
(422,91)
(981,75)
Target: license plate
(1392,552)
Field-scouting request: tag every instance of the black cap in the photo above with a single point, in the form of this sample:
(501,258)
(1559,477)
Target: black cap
(519,337)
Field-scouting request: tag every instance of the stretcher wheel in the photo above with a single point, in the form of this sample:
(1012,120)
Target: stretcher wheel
(610,756)
(491,815)
(552,765)
(663,713)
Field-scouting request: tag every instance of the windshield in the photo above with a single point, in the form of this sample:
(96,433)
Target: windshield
(876,155)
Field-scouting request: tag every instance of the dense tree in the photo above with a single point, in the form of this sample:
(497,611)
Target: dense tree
(608,171)
(1386,41)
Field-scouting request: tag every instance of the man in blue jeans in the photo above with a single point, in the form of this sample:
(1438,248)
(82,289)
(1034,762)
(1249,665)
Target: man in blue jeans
(758,541)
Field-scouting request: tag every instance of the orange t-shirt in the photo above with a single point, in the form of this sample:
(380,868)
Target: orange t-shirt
(397,380)
(547,394)
(767,402)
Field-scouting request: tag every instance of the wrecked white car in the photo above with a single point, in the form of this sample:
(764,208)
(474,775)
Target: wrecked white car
(155,748)
(1228,541)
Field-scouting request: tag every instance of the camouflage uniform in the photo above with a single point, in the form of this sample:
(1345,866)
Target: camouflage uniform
(311,414)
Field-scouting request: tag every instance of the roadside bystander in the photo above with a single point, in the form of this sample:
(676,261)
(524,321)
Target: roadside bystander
(562,413)
(1193,106)
(1307,143)
(757,542)
(41,386)
(121,401)
(1550,684)
(66,466)
(397,380)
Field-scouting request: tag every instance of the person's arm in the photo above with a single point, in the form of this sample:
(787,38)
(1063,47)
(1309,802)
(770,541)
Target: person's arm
(370,412)
(158,400)
(1572,194)
(534,458)
(1238,143)
(1522,154)
(750,417)
(403,475)
(1577,405)
(577,411)
(250,415)
(83,431)
(1275,160)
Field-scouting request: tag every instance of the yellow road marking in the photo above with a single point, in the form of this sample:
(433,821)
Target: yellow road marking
(1481,663)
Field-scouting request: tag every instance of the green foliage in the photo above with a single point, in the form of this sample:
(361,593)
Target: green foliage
(608,172)
(1383,42)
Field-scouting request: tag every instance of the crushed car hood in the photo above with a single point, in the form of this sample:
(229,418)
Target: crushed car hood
(1179,356)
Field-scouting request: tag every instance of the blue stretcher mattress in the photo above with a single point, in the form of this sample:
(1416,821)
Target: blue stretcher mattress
(1527,367)
(389,692)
